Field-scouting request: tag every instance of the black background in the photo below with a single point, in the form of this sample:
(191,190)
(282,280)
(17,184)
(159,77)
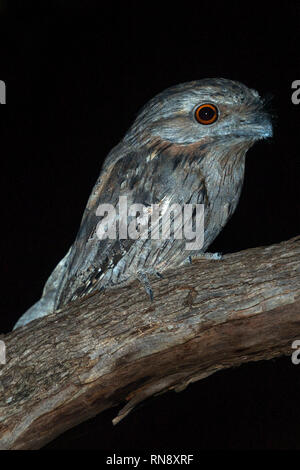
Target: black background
(76,76)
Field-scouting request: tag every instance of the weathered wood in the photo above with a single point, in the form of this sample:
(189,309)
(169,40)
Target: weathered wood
(117,346)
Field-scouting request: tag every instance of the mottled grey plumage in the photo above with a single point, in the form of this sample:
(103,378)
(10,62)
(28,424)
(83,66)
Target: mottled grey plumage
(166,156)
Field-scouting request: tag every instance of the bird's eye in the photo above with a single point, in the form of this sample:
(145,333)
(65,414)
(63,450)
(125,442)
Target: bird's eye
(206,113)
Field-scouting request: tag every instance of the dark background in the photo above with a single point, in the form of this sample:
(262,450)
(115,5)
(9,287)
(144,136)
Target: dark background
(76,76)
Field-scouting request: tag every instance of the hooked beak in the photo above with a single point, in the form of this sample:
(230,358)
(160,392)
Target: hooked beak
(259,127)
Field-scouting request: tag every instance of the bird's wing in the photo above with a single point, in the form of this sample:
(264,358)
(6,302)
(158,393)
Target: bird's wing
(141,181)
(91,257)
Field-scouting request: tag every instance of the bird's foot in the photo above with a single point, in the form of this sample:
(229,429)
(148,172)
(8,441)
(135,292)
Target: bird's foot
(142,276)
(216,256)
(206,255)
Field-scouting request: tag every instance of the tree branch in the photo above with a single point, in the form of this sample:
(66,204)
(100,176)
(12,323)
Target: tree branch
(105,349)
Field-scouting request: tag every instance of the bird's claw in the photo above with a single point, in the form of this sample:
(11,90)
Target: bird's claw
(206,255)
(144,280)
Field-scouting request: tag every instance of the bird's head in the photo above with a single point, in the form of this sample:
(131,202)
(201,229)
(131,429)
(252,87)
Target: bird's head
(203,111)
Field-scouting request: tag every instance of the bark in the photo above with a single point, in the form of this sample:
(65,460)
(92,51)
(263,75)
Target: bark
(120,347)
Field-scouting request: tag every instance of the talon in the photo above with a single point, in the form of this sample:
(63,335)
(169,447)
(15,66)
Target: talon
(143,278)
(159,275)
(150,293)
(216,256)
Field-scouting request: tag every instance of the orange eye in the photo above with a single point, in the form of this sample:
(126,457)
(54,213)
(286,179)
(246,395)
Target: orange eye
(206,113)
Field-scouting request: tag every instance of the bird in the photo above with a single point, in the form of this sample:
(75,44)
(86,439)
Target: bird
(187,145)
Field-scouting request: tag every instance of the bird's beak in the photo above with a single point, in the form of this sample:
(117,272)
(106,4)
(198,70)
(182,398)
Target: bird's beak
(262,126)
(259,127)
